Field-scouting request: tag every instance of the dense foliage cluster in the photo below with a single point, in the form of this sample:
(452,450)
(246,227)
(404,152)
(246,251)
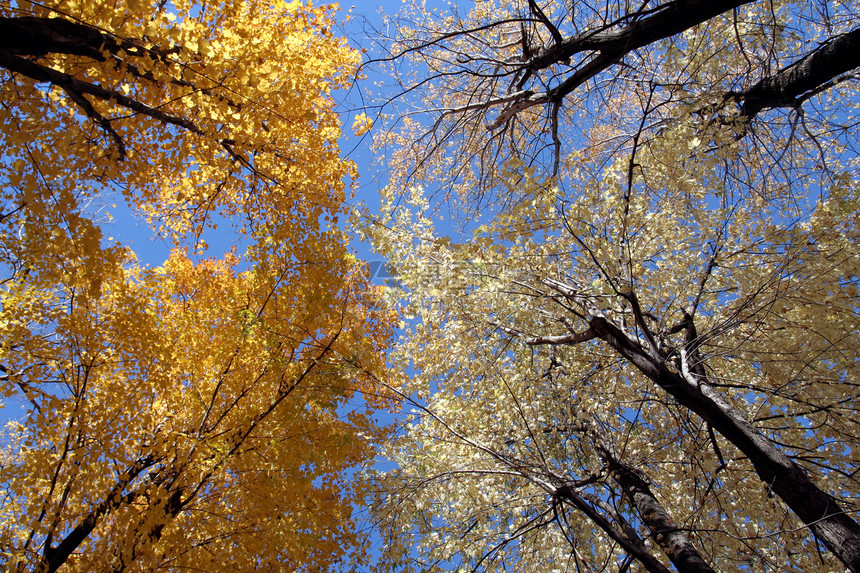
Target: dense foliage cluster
(189,415)
(643,354)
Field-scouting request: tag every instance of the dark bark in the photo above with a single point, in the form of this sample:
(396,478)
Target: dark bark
(690,388)
(34,36)
(804,78)
(663,22)
(23,41)
(818,510)
(789,87)
(671,538)
(633,546)
(171,509)
(54,557)
(610,45)
(40,73)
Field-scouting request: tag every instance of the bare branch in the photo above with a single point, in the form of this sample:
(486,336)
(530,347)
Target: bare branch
(793,85)
(610,46)
(562,339)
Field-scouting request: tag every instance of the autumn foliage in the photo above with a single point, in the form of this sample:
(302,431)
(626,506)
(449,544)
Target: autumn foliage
(190,414)
(638,351)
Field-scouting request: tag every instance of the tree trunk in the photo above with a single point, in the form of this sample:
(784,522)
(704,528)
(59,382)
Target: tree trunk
(671,538)
(818,510)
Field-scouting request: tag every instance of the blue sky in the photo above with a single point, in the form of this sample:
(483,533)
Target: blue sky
(130,229)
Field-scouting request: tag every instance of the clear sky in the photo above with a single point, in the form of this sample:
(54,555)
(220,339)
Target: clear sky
(363,21)
(359,21)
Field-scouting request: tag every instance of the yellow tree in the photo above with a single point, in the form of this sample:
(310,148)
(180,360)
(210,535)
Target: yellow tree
(193,414)
(646,357)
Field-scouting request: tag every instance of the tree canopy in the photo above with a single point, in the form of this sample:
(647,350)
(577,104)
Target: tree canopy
(643,353)
(193,414)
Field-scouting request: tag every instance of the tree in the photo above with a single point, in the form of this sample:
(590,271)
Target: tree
(647,353)
(192,414)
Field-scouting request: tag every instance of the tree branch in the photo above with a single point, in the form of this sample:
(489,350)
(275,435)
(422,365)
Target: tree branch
(818,510)
(76,89)
(637,550)
(38,36)
(611,45)
(562,339)
(671,539)
(663,22)
(97,118)
(54,557)
(792,85)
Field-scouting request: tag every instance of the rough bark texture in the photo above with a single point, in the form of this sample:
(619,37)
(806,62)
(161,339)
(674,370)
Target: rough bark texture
(792,85)
(671,538)
(633,546)
(818,510)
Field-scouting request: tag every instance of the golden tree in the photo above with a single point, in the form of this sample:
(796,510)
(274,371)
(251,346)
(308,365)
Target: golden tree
(193,414)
